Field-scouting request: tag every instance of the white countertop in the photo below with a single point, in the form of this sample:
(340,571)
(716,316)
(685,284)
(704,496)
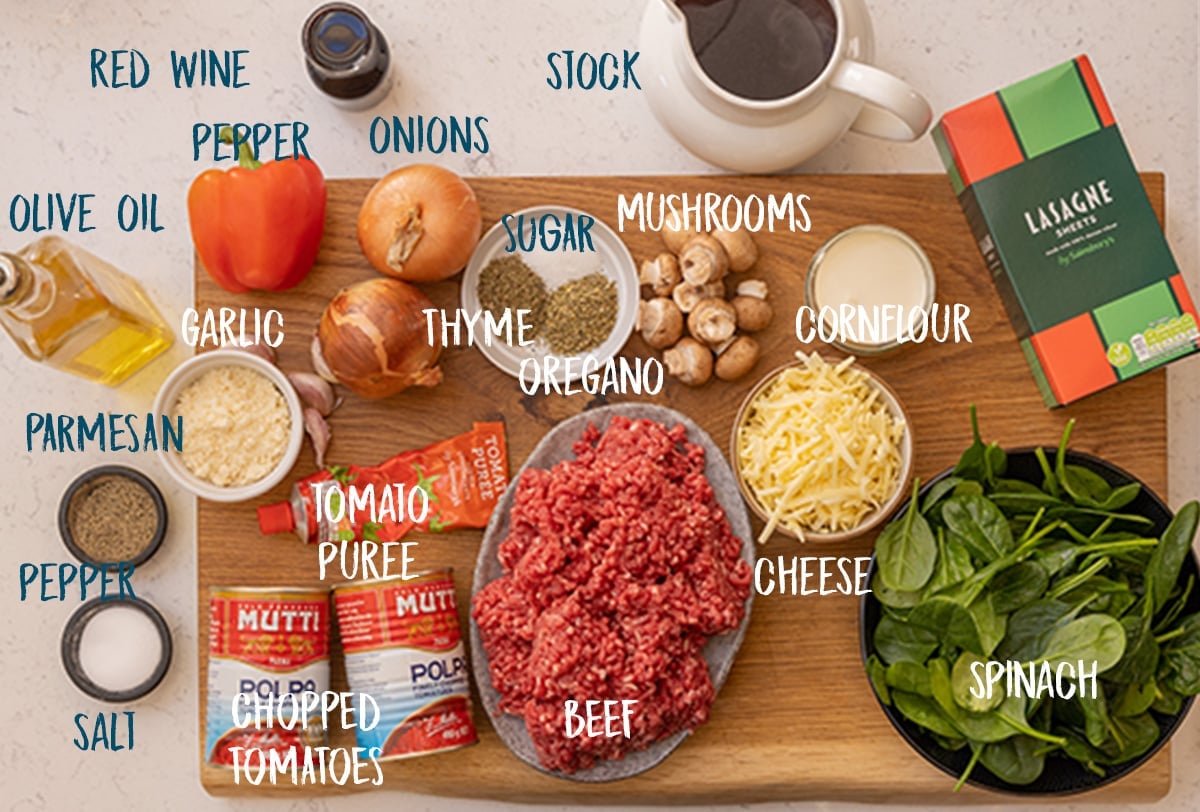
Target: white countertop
(467,58)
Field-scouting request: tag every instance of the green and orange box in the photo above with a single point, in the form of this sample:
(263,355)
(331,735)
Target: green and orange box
(1066,229)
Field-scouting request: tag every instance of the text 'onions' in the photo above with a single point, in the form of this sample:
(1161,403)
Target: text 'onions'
(372,338)
(419,223)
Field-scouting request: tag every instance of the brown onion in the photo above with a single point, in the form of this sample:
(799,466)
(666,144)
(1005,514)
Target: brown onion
(374,340)
(420,223)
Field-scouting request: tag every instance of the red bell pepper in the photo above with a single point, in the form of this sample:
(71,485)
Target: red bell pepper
(258,226)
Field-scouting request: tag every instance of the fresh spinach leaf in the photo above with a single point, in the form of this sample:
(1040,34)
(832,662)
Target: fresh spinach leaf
(876,673)
(938,491)
(965,679)
(926,713)
(1019,760)
(1162,573)
(897,641)
(977,524)
(1017,586)
(1030,627)
(1180,668)
(906,550)
(905,675)
(1091,638)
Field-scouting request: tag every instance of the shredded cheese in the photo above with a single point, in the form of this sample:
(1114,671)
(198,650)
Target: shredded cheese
(819,449)
(237,426)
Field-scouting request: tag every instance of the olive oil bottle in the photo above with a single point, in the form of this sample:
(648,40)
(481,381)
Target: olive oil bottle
(72,310)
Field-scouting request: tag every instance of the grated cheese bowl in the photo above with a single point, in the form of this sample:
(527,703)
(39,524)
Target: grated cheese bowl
(872,520)
(188,372)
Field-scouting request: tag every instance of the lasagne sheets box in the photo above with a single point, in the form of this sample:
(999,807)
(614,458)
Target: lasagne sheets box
(1066,229)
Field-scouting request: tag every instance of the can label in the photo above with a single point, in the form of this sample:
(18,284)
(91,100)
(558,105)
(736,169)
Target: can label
(404,649)
(271,645)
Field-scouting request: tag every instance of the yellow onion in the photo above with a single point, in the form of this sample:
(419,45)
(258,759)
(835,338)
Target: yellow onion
(374,340)
(420,223)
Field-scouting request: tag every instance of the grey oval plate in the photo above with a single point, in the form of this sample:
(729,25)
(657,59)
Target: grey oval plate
(718,651)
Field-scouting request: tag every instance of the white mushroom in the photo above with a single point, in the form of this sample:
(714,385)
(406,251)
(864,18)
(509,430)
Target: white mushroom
(702,260)
(661,274)
(737,358)
(689,361)
(739,247)
(660,322)
(754,312)
(713,321)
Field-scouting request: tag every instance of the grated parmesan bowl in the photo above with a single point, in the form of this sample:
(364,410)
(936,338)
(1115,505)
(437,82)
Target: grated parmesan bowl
(839,459)
(189,372)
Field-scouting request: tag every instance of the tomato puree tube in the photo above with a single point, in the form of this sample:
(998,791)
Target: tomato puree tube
(451,484)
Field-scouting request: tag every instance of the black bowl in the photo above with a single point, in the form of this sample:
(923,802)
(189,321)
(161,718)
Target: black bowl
(84,480)
(1062,775)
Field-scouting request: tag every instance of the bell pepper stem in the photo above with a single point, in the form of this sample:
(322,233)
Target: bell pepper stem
(246,159)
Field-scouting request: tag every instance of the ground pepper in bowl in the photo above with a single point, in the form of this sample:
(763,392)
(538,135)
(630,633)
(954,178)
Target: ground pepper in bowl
(112,514)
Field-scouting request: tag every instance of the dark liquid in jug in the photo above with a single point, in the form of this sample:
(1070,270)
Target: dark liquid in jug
(761,49)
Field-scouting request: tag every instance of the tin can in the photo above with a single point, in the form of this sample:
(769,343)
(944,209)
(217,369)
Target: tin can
(270,645)
(404,649)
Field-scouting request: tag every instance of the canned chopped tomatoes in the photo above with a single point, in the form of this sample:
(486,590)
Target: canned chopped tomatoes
(404,648)
(269,645)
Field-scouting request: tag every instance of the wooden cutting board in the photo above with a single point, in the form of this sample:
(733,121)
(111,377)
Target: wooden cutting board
(797,719)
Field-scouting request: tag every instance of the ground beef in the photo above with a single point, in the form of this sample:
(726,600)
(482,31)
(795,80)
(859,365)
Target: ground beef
(618,565)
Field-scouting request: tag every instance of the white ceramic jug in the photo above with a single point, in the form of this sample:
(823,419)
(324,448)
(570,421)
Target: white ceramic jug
(748,135)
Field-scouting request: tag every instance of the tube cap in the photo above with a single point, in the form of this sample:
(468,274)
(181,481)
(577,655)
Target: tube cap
(276,518)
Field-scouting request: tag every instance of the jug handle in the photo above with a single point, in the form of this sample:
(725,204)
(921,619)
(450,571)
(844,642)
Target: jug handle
(894,110)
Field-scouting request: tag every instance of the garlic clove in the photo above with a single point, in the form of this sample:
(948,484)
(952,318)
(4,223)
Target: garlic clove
(263,351)
(318,433)
(314,390)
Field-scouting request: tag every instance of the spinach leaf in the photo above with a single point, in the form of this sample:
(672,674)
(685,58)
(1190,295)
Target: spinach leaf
(973,462)
(897,641)
(1172,613)
(876,674)
(1019,760)
(1141,650)
(1091,638)
(1122,496)
(905,675)
(976,628)
(893,598)
(1162,572)
(1166,701)
(939,491)
(965,685)
(1055,556)
(906,550)
(926,713)
(1029,628)
(1095,715)
(977,727)
(1017,586)
(1180,668)
(1129,737)
(1135,699)
(977,524)
(953,565)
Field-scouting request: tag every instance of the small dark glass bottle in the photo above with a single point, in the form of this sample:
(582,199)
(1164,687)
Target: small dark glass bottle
(347,56)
